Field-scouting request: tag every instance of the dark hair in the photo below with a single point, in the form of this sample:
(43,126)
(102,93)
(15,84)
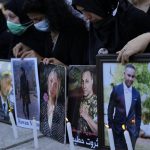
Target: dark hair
(16,6)
(103,8)
(130,66)
(37,6)
(58,12)
(91,73)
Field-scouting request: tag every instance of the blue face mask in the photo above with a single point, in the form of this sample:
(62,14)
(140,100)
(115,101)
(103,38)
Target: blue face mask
(42,25)
(16,28)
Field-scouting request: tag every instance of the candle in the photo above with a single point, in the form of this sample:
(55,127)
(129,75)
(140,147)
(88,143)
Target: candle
(127,138)
(13,125)
(35,133)
(111,138)
(69,130)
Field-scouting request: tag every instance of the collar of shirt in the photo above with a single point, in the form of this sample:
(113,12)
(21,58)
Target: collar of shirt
(3,101)
(126,89)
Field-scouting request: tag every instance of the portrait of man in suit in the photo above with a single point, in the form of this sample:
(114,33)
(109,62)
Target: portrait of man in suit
(6,97)
(124,108)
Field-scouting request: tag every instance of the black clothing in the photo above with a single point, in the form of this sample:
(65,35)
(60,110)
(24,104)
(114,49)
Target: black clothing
(31,37)
(16,6)
(113,32)
(5,38)
(71,46)
(102,8)
(24,94)
(24,89)
(57,130)
(148,11)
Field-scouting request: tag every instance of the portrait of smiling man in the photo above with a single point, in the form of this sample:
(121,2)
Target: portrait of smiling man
(125,109)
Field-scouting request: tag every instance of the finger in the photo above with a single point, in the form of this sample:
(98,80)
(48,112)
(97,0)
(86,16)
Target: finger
(119,55)
(20,53)
(15,51)
(44,61)
(126,58)
(122,60)
(50,61)
(25,54)
(118,52)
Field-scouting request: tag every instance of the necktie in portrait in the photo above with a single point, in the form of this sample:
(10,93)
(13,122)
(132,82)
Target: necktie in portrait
(4,108)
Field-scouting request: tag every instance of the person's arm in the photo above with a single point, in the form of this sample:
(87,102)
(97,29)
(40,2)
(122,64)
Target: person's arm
(92,124)
(136,45)
(23,51)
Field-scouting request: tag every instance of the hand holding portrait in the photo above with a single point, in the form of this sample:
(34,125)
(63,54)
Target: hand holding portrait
(52,61)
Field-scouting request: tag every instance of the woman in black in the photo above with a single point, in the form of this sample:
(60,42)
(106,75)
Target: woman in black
(139,44)
(5,37)
(67,32)
(28,35)
(114,28)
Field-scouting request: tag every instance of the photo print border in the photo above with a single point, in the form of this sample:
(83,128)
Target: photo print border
(100,61)
(5,71)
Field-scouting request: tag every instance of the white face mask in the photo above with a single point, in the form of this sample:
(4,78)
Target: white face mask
(42,25)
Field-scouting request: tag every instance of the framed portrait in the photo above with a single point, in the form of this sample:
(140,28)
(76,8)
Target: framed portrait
(53,101)
(27,93)
(82,105)
(6,91)
(123,102)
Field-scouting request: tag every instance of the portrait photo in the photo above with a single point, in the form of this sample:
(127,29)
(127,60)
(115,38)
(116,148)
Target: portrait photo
(6,91)
(82,105)
(27,95)
(53,101)
(125,100)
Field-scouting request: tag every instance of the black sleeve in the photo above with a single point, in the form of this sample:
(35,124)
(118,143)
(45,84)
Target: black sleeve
(111,107)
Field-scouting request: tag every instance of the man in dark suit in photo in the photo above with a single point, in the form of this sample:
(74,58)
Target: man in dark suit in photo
(125,109)
(6,97)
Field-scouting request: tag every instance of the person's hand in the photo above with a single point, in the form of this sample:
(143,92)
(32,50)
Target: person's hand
(30,54)
(136,45)
(23,51)
(84,112)
(19,49)
(52,61)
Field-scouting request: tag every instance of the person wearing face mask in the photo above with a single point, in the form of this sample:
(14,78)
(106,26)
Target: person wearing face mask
(67,32)
(112,24)
(22,29)
(5,37)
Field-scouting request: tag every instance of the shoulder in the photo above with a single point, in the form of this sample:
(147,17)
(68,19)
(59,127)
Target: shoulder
(118,87)
(135,91)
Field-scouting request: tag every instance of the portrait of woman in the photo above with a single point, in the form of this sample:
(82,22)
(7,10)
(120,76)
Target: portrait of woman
(53,101)
(54,81)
